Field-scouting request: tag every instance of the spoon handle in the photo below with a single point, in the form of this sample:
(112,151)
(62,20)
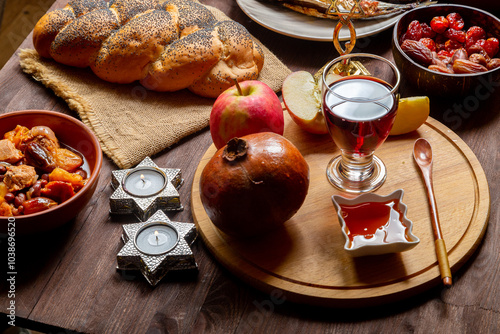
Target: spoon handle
(441,253)
(444,265)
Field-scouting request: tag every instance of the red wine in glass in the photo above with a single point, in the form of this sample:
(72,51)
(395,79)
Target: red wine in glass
(357,123)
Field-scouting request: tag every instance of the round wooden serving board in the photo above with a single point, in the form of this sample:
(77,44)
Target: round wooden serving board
(305,261)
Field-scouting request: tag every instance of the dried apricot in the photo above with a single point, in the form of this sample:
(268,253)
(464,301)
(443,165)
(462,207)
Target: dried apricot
(18,135)
(59,174)
(67,160)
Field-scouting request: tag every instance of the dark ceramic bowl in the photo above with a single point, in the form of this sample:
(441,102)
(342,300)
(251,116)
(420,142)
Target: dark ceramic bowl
(434,83)
(73,133)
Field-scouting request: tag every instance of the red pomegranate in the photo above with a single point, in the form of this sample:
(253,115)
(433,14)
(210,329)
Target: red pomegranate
(254,184)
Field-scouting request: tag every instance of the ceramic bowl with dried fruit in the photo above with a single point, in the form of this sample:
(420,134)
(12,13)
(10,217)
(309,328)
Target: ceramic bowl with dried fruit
(448,49)
(49,170)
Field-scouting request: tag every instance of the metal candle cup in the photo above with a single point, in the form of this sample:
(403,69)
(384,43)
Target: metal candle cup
(144,181)
(156,238)
(156,190)
(156,247)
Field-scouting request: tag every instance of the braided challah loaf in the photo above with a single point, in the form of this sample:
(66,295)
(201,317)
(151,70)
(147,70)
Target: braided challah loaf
(167,45)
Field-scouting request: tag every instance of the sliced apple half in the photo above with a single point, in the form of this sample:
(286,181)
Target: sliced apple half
(302,99)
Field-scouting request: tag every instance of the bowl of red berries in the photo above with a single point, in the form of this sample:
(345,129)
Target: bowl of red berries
(448,50)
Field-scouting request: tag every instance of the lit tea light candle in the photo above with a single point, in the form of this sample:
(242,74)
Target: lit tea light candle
(144,181)
(156,239)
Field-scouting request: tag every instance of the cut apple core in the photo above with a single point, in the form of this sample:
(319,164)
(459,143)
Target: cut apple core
(302,99)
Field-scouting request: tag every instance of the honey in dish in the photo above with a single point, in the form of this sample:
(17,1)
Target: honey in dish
(373,223)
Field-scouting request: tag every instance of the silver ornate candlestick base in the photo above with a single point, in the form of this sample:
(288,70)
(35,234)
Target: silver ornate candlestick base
(155,267)
(122,202)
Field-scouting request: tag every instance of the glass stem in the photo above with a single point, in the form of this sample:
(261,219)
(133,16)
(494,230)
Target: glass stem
(356,167)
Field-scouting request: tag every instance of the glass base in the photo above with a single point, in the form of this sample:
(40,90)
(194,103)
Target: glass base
(356,181)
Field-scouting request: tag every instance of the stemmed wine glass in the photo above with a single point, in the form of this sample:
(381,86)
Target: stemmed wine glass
(359,101)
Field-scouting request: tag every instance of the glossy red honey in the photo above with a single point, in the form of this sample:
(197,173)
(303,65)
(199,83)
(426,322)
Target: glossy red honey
(374,222)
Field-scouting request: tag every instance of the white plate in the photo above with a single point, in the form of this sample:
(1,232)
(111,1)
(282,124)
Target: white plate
(287,22)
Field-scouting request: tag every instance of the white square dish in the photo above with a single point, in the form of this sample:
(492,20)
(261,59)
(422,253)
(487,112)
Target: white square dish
(373,224)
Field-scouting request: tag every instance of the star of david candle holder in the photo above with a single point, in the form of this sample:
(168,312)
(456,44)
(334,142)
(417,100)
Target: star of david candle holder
(156,247)
(144,189)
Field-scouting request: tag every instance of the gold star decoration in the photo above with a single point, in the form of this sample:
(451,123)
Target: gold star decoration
(340,8)
(345,8)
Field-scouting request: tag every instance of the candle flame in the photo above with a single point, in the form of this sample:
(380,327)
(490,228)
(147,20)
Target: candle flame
(142,177)
(156,233)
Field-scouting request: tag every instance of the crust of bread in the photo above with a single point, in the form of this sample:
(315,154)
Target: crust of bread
(128,9)
(47,28)
(81,39)
(82,7)
(125,55)
(242,60)
(184,61)
(167,46)
(191,16)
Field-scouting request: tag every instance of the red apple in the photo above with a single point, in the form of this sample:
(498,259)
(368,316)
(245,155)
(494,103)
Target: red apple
(248,107)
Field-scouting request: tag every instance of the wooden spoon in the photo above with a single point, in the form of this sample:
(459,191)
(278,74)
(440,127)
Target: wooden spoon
(422,153)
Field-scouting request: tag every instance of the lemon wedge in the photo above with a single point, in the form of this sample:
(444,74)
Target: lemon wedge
(412,113)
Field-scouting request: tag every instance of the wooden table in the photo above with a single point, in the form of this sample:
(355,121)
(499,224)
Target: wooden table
(67,278)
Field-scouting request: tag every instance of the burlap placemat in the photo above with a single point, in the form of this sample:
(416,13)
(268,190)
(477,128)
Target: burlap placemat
(130,121)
